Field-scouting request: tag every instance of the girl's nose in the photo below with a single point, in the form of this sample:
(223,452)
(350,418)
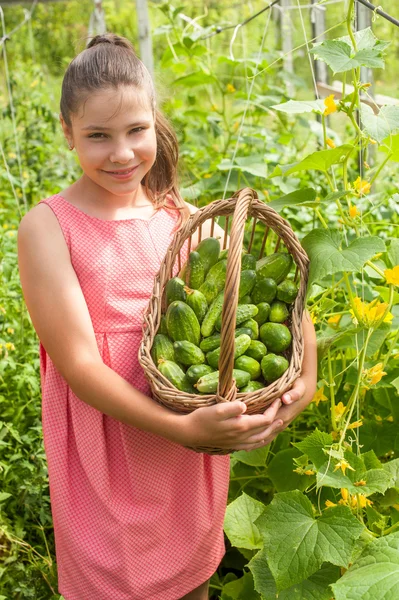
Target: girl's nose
(122,154)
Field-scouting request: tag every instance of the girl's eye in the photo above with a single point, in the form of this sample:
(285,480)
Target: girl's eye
(135,130)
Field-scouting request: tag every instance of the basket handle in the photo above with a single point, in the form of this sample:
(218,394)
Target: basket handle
(227,389)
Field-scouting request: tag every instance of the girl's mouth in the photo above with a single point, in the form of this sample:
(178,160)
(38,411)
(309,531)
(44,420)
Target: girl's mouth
(122,174)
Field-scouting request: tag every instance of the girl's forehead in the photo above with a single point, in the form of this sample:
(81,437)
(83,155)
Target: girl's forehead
(108,105)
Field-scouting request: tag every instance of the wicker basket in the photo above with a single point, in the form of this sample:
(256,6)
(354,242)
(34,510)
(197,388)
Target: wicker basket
(243,205)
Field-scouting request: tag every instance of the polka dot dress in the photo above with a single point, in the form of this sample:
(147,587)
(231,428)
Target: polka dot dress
(136,517)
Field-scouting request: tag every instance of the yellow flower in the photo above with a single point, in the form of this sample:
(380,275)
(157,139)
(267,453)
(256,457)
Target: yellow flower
(335,435)
(334,320)
(319,396)
(362,501)
(313,318)
(361,482)
(395,506)
(329,504)
(12,155)
(34,83)
(339,410)
(10,330)
(361,186)
(355,424)
(392,275)
(330,105)
(372,141)
(343,465)
(373,375)
(330,143)
(5,226)
(3,310)
(10,346)
(378,418)
(344,494)
(390,418)
(236,125)
(230,88)
(354,212)
(214,107)
(370,313)
(207,175)
(309,472)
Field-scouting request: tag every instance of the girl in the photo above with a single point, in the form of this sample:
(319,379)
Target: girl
(137,515)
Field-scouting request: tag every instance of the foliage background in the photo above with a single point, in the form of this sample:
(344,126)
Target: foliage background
(207,119)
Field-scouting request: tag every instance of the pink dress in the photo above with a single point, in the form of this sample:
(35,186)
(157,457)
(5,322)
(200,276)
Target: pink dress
(136,517)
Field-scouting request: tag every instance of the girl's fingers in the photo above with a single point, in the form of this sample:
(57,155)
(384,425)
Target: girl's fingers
(262,439)
(295,393)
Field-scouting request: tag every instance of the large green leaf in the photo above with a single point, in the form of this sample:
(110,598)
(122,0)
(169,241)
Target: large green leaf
(194,79)
(323,247)
(254,165)
(321,160)
(374,575)
(254,458)
(391,145)
(239,522)
(381,125)
(303,106)
(298,197)
(281,472)
(299,544)
(316,587)
(313,445)
(340,56)
(240,588)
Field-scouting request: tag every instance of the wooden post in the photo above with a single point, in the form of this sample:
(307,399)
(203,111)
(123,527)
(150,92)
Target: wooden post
(286,40)
(144,32)
(318,21)
(363,20)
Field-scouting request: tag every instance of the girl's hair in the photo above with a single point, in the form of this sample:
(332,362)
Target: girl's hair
(109,61)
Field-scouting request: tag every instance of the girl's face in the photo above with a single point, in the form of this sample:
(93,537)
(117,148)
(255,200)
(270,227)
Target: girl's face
(114,137)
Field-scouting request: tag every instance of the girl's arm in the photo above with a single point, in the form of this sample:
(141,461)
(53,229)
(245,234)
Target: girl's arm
(62,321)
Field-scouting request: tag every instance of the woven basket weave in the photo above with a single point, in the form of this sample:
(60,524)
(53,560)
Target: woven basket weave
(243,205)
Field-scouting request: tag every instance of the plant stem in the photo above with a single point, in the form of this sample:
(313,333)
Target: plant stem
(382,165)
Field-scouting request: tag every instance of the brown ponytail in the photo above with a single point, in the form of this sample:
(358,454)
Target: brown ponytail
(109,61)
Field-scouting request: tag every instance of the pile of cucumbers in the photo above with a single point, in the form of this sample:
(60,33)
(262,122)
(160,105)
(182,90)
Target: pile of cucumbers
(186,349)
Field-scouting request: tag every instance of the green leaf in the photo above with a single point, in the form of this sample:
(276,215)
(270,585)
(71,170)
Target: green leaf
(316,587)
(4,496)
(304,106)
(254,458)
(193,79)
(321,160)
(327,257)
(340,56)
(281,471)
(297,197)
(393,250)
(240,588)
(391,144)
(382,125)
(313,446)
(300,543)
(375,574)
(254,165)
(239,522)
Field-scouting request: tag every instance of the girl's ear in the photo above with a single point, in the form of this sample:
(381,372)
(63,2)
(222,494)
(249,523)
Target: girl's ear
(67,130)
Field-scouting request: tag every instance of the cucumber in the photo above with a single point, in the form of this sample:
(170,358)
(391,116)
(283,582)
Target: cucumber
(263,313)
(215,309)
(275,336)
(196,371)
(162,348)
(195,274)
(175,375)
(287,291)
(209,250)
(245,300)
(244,312)
(217,274)
(174,290)
(162,326)
(276,266)
(256,350)
(246,363)
(223,254)
(241,344)
(273,367)
(210,291)
(278,312)
(252,386)
(182,323)
(213,341)
(188,353)
(253,325)
(265,290)
(197,302)
(208,384)
(247,282)
(248,261)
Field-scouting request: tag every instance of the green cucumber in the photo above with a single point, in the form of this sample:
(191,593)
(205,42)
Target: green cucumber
(276,266)
(245,300)
(162,348)
(263,313)
(275,336)
(188,353)
(210,291)
(196,371)
(197,301)
(217,274)
(248,261)
(278,312)
(162,326)
(215,309)
(256,350)
(247,330)
(174,290)
(182,323)
(247,282)
(209,250)
(195,274)
(244,312)
(253,325)
(246,363)
(287,291)
(265,290)
(252,386)
(273,367)
(241,344)
(208,384)
(213,341)
(175,375)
